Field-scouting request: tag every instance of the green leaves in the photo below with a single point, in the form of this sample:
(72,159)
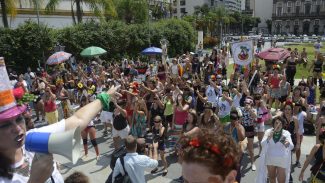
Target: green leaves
(25,45)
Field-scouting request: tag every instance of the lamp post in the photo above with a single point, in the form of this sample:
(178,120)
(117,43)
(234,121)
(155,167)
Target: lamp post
(37,10)
(149,19)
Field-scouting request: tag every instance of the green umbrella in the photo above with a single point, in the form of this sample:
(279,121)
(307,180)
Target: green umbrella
(92,51)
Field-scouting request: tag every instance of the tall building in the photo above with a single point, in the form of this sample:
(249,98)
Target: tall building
(187,7)
(298,17)
(248,6)
(231,5)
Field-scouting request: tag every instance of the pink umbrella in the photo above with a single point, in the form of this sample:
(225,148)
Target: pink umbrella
(274,54)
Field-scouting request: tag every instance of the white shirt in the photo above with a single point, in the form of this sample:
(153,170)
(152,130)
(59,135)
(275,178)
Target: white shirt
(134,165)
(224,107)
(212,96)
(277,149)
(28,157)
(301,118)
(236,100)
(175,69)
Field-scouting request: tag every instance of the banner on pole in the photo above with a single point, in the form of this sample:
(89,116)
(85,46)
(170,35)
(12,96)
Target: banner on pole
(243,52)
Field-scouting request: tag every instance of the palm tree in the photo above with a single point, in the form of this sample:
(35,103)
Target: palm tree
(7,6)
(99,7)
(132,11)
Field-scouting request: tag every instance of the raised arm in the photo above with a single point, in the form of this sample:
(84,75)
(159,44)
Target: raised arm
(84,115)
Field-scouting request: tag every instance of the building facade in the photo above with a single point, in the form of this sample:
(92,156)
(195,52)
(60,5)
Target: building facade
(298,17)
(231,5)
(61,17)
(187,7)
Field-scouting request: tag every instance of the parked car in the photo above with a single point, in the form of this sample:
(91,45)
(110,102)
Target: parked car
(305,39)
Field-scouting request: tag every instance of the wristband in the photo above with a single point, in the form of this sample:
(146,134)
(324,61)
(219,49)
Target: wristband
(104,99)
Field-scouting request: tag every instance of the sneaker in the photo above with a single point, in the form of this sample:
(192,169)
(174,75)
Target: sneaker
(105,133)
(253,167)
(298,164)
(84,157)
(97,158)
(180,179)
(154,171)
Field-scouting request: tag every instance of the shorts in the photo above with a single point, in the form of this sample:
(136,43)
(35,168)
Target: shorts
(88,128)
(224,119)
(161,146)
(106,117)
(121,133)
(260,127)
(283,98)
(276,161)
(169,118)
(249,131)
(275,93)
(52,117)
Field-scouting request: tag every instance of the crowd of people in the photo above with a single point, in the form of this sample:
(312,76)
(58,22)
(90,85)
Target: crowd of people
(192,105)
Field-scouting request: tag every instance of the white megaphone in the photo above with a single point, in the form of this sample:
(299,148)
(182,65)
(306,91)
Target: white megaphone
(66,143)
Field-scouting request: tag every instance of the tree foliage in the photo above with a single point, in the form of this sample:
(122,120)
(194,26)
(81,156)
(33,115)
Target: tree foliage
(132,11)
(211,20)
(25,45)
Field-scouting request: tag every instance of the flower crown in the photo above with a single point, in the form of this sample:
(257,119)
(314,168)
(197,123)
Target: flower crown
(227,159)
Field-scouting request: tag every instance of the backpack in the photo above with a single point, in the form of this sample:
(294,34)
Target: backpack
(118,153)
(120,178)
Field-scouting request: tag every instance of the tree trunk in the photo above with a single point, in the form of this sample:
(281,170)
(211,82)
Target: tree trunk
(79,11)
(4,13)
(72,13)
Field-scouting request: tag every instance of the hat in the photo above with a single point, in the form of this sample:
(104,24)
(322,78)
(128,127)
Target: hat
(249,100)
(8,107)
(213,77)
(210,63)
(276,67)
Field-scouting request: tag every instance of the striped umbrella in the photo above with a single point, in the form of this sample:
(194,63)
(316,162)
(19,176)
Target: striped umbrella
(58,58)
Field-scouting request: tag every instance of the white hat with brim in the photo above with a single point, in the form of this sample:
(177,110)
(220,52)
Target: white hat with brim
(12,113)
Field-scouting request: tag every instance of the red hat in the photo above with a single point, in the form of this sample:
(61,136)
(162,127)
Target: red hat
(8,107)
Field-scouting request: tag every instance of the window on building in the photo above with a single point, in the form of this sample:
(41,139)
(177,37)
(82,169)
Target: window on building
(297,10)
(296,22)
(183,10)
(307,8)
(182,2)
(212,3)
(289,6)
(297,3)
(317,9)
(316,22)
(279,11)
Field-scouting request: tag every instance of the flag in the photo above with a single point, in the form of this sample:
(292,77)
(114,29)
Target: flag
(243,52)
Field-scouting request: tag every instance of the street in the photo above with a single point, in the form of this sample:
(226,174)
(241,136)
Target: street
(98,171)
